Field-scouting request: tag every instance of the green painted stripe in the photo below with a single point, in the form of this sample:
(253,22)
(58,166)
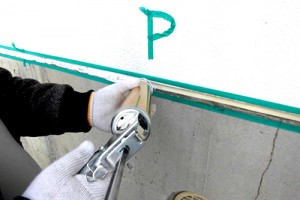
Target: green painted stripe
(148,99)
(228,95)
(228,112)
(86,76)
(232,113)
(138,101)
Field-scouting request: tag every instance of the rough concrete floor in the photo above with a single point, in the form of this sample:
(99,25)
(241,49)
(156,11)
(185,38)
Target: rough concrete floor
(221,157)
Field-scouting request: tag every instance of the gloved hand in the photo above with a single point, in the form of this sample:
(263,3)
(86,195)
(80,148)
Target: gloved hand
(105,102)
(61,181)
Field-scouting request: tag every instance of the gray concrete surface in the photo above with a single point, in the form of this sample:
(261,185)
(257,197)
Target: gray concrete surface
(221,157)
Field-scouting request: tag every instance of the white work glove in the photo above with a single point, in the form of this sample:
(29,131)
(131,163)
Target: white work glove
(61,181)
(105,102)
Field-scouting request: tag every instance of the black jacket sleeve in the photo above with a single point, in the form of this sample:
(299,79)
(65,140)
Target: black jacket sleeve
(29,108)
(20,198)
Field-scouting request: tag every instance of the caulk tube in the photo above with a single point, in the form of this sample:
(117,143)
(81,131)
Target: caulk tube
(137,101)
(140,97)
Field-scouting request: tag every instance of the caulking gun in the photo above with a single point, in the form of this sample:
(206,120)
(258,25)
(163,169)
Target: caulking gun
(131,129)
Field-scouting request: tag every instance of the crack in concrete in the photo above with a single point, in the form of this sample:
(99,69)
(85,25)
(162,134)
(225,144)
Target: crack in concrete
(207,164)
(267,168)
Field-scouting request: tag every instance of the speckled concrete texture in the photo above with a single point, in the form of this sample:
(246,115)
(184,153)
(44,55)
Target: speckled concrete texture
(221,157)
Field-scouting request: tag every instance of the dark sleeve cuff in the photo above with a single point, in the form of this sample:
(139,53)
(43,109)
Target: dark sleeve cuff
(20,198)
(75,108)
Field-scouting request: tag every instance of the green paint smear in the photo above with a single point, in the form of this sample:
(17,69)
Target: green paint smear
(240,115)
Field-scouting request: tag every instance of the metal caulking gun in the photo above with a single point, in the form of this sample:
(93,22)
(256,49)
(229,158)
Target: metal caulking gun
(131,129)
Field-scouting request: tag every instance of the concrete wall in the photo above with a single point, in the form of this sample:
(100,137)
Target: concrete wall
(221,157)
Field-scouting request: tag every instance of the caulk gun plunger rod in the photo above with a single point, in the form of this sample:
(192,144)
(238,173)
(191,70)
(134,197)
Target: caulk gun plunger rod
(114,185)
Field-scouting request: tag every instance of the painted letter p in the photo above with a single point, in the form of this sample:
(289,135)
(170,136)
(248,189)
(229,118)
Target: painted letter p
(151,37)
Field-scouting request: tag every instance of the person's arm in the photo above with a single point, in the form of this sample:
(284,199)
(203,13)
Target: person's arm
(29,108)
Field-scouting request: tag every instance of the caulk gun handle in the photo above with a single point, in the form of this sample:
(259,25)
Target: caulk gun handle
(114,185)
